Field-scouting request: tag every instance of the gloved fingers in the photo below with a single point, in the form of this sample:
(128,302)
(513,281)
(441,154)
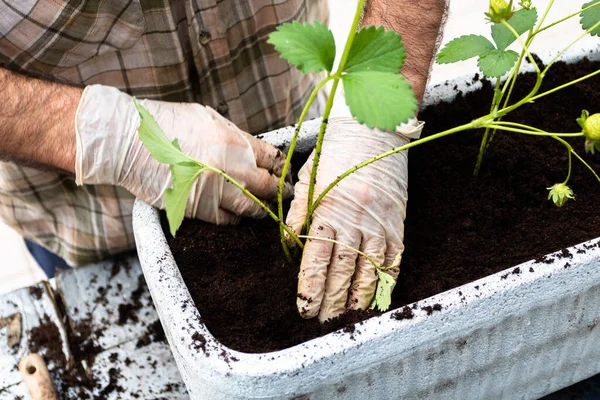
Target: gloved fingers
(218,216)
(297,213)
(267,156)
(263,184)
(240,204)
(393,257)
(340,272)
(224,217)
(365,278)
(313,270)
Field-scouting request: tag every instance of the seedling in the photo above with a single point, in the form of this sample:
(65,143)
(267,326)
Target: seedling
(370,64)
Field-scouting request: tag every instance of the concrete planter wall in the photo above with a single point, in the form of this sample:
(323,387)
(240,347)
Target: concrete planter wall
(521,333)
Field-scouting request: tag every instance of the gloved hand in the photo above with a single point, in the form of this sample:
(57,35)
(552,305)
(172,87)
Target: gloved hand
(109,151)
(365,211)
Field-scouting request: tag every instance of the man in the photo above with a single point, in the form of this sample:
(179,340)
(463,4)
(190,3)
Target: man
(73,162)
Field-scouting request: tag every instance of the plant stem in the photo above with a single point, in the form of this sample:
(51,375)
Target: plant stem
(567,17)
(471,125)
(556,136)
(343,245)
(288,162)
(317,157)
(541,21)
(523,44)
(484,142)
(253,198)
(336,78)
(559,55)
(585,163)
(535,132)
(565,85)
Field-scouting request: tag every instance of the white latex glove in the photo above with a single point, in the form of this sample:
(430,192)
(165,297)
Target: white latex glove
(365,211)
(109,151)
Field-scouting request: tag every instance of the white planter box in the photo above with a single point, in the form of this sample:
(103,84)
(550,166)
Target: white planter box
(521,335)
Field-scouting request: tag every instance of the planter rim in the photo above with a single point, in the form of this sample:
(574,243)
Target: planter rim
(292,358)
(220,362)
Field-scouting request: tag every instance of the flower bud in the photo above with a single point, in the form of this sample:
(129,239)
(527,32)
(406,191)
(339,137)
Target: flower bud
(560,193)
(499,10)
(526,4)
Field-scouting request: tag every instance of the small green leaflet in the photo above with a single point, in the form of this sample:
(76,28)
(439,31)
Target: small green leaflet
(463,48)
(184,170)
(498,62)
(522,21)
(310,47)
(383,293)
(381,100)
(591,17)
(155,140)
(184,175)
(375,49)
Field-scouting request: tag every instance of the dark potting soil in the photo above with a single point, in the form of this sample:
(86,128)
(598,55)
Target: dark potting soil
(458,228)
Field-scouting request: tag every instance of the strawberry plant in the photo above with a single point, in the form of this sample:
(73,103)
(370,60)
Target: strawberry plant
(379,97)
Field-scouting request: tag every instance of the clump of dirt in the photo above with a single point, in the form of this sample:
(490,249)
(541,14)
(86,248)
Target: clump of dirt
(154,333)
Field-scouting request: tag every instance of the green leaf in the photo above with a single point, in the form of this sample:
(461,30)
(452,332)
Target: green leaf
(591,17)
(310,47)
(521,21)
(375,49)
(383,293)
(498,62)
(379,99)
(463,48)
(184,175)
(155,140)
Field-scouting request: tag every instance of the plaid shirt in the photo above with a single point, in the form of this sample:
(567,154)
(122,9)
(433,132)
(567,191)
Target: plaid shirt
(213,52)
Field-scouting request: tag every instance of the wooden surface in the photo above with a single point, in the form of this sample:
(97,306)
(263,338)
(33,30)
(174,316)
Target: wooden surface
(110,303)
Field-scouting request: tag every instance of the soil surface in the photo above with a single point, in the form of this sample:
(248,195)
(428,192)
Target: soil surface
(458,228)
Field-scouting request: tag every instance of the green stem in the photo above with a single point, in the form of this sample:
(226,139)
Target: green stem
(534,132)
(337,76)
(541,21)
(566,18)
(288,162)
(255,199)
(565,85)
(586,164)
(474,124)
(523,44)
(569,150)
(317,157)
(353,29)
(343,245)
(559,55)
(484,141)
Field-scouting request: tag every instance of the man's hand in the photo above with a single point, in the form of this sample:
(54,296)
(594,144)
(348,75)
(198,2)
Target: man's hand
(109,151)
(365,211)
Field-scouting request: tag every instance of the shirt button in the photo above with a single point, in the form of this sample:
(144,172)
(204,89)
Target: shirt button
(204,37)
(223,108)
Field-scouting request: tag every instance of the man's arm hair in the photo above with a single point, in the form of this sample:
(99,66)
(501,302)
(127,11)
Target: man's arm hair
(37,122)
(420,24)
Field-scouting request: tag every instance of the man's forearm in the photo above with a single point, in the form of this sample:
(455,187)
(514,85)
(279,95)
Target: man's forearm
(419,23)
(37,122)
